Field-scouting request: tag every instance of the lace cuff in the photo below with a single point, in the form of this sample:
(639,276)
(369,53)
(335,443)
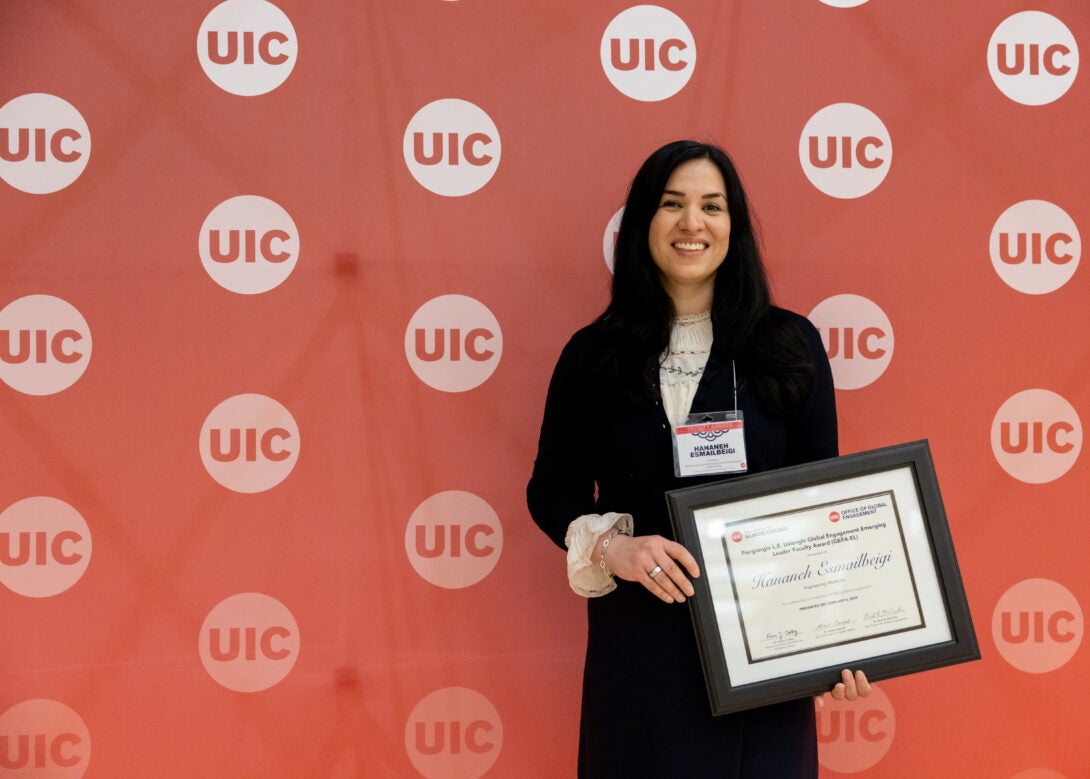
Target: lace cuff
(585,575)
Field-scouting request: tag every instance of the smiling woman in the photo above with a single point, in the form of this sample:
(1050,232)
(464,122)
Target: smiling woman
(690,233)
(690,329)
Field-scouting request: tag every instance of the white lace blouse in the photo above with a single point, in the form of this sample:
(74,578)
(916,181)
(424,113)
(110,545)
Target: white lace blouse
(680,370)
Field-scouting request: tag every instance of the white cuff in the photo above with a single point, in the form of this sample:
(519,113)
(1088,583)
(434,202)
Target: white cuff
(585,576)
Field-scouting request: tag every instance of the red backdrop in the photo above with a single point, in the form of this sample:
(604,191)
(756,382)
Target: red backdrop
(281,288)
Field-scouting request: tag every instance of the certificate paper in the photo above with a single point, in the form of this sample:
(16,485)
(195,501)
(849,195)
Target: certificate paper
(821,576)
(810,569)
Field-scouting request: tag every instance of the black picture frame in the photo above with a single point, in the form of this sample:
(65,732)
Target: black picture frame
(925,623)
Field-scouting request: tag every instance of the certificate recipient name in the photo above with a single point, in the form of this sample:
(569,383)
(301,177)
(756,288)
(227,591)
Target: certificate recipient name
(825,568)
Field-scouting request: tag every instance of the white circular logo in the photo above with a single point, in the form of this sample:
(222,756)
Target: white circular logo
(454,733)
(45,345)
(609,237)
(44,143)
(249,642)
(45,547)
(247,47)
(249,443)
(648,53)
(1037,625)
(858,338)
(454,539)
(1036,436)
(43,738)
(1035,247)
(1033,58)
(451,147)
(845,150)
(249,244)
(453,343)
(844,3)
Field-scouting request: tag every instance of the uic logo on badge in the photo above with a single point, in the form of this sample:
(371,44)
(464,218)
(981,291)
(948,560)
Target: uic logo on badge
(845,150)
(454,733)
(1035,247)
(43,738)
(1036,436)
(249,244)
(1033,58)
(249,642)
(249,443)
(451,147)
(44,143)
(858,339)
(45,547)
(1037,625)
(45,344)
(247,47)
(648,53)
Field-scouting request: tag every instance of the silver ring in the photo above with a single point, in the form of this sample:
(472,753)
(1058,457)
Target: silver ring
(655,571)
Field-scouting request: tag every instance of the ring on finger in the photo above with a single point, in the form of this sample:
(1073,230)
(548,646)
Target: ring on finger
(655,571)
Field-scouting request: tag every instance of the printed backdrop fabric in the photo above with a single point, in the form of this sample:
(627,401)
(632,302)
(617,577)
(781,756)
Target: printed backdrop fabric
(281,288)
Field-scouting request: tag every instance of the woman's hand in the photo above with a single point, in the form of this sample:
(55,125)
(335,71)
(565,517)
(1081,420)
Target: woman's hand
(636,558)
(851,687)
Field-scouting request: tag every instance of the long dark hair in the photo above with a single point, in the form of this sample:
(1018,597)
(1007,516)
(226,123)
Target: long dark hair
(768,349)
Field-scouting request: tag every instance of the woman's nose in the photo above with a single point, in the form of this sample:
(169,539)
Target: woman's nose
(691,219)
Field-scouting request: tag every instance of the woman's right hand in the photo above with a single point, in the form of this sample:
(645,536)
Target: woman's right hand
(635,558)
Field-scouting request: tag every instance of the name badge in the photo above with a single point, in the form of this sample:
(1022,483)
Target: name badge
(710,443)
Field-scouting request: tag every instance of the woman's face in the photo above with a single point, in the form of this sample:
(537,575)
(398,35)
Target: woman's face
(690,231)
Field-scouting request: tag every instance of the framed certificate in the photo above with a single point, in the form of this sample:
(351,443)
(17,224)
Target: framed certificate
(810,569)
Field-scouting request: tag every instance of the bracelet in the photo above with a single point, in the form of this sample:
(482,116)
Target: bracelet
(602,558)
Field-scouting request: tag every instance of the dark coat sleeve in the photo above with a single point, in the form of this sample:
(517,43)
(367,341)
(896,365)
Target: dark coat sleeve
(562,485)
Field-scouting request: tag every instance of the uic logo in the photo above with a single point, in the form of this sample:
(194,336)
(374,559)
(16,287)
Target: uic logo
(45,547)
(249,244)
(1033,58)
(45,345)
(247,47)
(42,737)
(249,443)
(609,237)
(451,147)
(454,539)
(453,343)
(249,642)
(1035,247)
(648,53)
(854,735)
(845,150)
(454,731)
(858,339)
(1037,625)
(44,143)
(1036,436)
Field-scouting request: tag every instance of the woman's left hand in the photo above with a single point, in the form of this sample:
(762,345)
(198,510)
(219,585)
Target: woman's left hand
(851,686)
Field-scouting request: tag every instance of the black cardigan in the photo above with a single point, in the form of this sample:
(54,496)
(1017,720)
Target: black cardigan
(644,695)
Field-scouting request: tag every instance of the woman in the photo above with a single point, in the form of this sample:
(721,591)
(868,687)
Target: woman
(689,328)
